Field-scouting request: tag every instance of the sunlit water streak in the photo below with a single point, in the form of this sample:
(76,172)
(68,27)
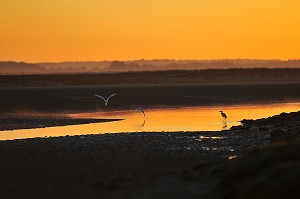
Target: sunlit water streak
(159,120)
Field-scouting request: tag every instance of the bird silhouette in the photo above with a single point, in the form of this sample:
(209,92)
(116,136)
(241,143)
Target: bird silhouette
(223,115)
(142,110)
(106,100)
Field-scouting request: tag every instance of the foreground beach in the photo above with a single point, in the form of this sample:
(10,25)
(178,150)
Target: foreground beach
(158,165)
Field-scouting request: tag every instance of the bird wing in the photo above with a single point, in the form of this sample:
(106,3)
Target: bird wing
(111,96)
(140,109)
(100,97)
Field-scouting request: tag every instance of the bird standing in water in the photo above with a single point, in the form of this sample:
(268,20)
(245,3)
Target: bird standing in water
(223,115)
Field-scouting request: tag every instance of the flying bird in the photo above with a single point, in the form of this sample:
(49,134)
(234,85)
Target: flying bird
(106,100)
(223,115)
(141,109)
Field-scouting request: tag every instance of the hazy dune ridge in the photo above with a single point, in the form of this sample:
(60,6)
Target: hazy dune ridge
(139,65)
(21,68)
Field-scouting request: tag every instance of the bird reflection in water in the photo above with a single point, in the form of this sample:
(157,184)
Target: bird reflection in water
(224,125)
(143,124)
(224,120)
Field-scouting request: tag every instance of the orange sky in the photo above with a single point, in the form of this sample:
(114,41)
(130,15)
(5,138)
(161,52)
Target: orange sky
(77,30)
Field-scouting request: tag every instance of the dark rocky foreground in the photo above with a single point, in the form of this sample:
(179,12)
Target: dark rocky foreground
(158,165)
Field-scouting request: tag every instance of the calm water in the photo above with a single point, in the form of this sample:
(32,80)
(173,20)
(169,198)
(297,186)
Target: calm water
(158,120)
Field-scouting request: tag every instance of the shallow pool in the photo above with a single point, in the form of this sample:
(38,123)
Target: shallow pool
(159,120)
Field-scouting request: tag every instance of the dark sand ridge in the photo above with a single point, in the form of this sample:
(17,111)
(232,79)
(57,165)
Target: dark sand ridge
(81,99)
(157,165)
(29,121)
(75,93)
(156,77)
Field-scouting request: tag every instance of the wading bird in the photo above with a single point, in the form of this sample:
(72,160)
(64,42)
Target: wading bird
(106,100)
(141,109)
(223,115)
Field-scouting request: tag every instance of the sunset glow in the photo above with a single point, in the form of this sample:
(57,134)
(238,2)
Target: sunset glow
(61,30)
(158,120)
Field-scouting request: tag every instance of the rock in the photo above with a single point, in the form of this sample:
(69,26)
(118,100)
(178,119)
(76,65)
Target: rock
(272,172)
(264,128)
(247,122)
(239,128)
(280,134)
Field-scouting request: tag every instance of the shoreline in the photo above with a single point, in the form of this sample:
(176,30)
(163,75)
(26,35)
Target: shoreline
(144,165)
(38,121)
(21,122)
(155,77)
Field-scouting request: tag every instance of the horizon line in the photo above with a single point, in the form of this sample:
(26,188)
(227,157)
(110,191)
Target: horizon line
(132,60)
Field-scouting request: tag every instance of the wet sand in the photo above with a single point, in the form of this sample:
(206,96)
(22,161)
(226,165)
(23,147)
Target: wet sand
(157,165)
(82,99)
(75,93)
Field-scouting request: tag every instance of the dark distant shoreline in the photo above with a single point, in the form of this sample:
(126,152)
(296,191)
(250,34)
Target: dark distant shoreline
(258,75)
(75,93)
(19,68)
(70,99)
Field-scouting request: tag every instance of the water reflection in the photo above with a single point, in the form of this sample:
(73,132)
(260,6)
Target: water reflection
(143,124)
(211,137)
(224,125)
(159,120)
(232,157)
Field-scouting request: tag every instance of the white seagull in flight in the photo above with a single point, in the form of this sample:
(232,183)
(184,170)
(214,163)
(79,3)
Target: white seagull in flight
(106,100)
